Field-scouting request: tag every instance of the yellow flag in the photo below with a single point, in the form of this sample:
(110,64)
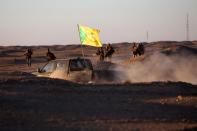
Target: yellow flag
(89,36)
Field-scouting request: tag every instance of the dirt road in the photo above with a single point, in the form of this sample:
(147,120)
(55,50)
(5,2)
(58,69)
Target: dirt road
(44,104)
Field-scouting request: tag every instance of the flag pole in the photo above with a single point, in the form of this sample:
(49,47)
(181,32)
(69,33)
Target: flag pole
(82,51)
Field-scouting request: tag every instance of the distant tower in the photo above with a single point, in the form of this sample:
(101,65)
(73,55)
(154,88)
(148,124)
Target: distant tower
(187,27)
(147,35)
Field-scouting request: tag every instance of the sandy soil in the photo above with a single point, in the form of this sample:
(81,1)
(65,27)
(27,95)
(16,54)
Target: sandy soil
(30,103)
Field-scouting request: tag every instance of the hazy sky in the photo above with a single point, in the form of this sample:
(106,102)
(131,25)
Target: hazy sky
(28,22)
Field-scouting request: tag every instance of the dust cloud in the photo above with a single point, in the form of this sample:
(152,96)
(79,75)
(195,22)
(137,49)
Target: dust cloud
(160,67)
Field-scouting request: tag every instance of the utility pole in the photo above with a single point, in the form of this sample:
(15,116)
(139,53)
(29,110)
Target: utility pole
(187,27)
(147,35)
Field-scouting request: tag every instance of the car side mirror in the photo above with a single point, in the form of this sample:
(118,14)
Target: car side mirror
(39,70)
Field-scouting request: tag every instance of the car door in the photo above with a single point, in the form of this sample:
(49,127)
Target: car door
(61,70)
(80,70)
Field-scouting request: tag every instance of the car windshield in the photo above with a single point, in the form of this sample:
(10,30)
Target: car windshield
(80,64)
(50,67)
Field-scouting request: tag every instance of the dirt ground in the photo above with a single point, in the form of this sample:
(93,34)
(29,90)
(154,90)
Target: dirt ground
(31,103)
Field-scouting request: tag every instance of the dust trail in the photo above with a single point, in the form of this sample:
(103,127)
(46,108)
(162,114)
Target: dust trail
(160,67)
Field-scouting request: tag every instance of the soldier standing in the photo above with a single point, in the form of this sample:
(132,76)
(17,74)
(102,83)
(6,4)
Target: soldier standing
(109,51)
(100,52)
(134,50)
(50,55)
(28,55)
